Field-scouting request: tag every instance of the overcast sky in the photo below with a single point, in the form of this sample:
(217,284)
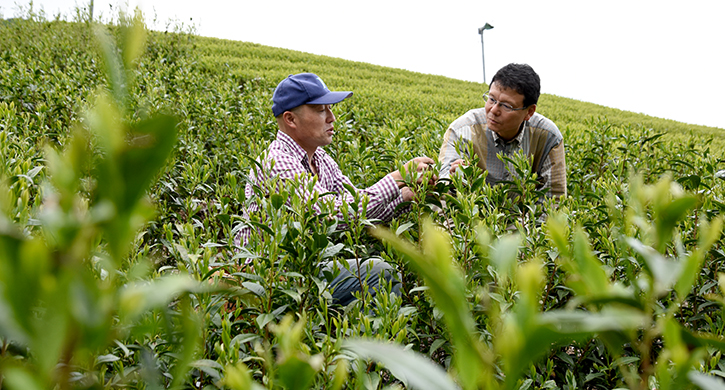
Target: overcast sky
(662,58)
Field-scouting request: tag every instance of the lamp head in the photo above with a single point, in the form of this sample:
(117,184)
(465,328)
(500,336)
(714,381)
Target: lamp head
(484,28)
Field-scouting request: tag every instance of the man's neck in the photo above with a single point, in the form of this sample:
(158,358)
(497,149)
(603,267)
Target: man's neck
(507,140)
(308,149)
(313,168)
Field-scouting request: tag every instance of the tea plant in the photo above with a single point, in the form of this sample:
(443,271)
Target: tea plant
(615,285)
(70,291)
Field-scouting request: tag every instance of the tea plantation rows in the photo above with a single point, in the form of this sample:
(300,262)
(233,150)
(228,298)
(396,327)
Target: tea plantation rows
(125,153)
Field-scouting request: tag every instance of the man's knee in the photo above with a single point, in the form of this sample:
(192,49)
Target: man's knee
(345,282)
(381,268)
(378,266)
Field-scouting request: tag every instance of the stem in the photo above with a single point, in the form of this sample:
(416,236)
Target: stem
(584,353)
(548,288)
(646,367)
(64,365)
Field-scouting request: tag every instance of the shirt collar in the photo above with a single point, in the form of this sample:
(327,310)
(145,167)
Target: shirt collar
(518,139)
(295,149)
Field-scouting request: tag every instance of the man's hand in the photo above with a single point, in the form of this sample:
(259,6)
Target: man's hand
(458,163)
(420,164)
(407,194)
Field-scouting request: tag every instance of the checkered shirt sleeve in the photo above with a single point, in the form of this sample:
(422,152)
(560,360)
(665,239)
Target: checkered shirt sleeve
(287,161)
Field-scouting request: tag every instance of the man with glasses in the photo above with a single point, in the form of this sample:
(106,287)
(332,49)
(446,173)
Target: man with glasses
(507,124)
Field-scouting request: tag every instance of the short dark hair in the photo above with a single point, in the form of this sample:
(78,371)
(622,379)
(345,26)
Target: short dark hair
(522,79)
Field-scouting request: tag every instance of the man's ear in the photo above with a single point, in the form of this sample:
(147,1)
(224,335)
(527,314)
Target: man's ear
(530,111)
(289,119)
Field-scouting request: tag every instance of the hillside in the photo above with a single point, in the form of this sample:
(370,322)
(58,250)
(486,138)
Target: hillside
(402,90)
(617,285)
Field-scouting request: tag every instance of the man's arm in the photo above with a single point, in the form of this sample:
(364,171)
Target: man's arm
(286,174)
(552,174)
(557,173)
(385,195)
(382,197)
(454,151)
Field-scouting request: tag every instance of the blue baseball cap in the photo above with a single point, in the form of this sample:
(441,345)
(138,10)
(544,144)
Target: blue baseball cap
(303,88)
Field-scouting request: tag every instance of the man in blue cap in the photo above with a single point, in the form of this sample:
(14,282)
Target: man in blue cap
(302,107)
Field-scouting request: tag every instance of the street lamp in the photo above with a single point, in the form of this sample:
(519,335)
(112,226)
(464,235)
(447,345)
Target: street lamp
(483,57)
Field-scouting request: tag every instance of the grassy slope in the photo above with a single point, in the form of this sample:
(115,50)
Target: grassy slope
(221,91)
(400,90)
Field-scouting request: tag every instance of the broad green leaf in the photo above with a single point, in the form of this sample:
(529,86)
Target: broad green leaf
(524,339)
(256,288)
(413,369)
(332,250)
(578,322)
(19,379)
(264,319)
(672,335)
(187,346)
(626,360)
(557,232)
(691,266)
(699,339)
(295,373)
(665,272)
(403,228)
(587,276)
(134,38)
(706,382)
(615,297)
(107,359)
(341,374)
(667,215)
(294,294)
(277,200)
(145,153)
(503,256)
(530,281)
(245,338)
(710,232)
(9,328)
(211,367)
(447,288)
(237,377)
(23,261)
(115,71)
(262,226)
(437,343)
(137,298)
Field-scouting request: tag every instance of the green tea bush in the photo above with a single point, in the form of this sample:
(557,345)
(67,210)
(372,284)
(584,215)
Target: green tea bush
(616,285)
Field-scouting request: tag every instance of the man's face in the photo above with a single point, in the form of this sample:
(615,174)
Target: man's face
(314,126)
(503,122)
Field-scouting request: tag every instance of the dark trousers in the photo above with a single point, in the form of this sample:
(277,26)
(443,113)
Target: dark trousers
(347,281)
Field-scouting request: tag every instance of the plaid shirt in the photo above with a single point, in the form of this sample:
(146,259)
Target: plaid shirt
(291,163)
(539,139)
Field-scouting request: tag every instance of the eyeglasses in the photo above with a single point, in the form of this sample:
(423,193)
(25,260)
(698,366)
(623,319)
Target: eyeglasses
(505,106)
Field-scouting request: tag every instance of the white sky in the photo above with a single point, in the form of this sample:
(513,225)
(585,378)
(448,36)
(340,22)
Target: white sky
(663,58)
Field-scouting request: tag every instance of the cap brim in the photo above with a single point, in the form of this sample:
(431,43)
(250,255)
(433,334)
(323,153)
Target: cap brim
(331,98)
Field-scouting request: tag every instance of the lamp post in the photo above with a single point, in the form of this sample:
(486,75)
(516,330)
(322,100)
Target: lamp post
(483,57)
